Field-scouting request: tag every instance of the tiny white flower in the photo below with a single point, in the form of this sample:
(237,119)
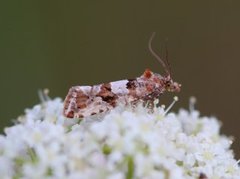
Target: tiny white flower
(124,143)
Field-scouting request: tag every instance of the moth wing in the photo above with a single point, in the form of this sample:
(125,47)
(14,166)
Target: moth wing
(81,102)
(94,106)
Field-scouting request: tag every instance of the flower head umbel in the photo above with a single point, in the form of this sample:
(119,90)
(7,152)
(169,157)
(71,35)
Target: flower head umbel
(124,143)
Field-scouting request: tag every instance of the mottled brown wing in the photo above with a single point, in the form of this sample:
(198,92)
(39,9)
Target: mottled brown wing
(84,101)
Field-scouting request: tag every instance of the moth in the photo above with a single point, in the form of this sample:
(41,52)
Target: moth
(85,101)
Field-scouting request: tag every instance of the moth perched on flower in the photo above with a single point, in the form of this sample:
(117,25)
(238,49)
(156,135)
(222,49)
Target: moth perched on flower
(84,101)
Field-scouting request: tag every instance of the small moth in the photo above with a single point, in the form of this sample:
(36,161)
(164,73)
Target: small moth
(84,101)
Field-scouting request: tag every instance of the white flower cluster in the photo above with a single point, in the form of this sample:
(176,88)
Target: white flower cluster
(125,144)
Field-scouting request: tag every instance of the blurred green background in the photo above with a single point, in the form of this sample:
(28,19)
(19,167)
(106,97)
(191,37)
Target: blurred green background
(58,44)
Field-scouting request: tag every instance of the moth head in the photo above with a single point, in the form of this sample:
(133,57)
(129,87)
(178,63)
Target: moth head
(170,85)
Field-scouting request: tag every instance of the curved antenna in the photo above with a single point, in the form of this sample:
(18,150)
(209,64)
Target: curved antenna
(165,66)
(167,60)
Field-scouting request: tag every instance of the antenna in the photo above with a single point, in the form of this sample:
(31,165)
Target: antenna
(163,63)
(167,59)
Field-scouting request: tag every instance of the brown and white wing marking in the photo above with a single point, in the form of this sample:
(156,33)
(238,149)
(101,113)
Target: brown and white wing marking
(76,100)
(84,101)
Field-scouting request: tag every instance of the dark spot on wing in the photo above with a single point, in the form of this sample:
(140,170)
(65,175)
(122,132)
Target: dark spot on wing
(80,116)
(70,114)
(81,105)
(106,86)
(81,99)
(110,98)
(107,95)
(131,84)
